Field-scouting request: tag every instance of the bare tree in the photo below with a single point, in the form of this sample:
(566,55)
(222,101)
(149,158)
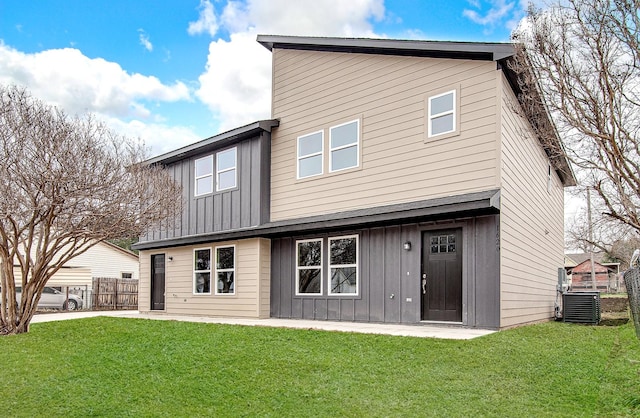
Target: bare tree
(585,57)
(68,183)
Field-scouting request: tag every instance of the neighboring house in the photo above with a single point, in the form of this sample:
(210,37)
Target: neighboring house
(578,267)
(397,182)
(108,260)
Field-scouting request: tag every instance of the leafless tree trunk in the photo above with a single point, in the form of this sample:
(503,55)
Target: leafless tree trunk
(68,183)
(585,57)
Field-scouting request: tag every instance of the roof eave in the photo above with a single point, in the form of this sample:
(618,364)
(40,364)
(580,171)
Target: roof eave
(216,141)
(445,49)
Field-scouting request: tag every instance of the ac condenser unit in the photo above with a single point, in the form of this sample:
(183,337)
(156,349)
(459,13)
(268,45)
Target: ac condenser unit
(581,307)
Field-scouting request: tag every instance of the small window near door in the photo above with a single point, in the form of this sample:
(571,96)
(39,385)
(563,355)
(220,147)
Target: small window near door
(202,271)
(343,265)
(225,270)
(443,244)
(126,275)
(309,267)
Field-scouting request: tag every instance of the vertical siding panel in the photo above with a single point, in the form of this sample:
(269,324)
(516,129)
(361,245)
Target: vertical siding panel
(287,279)
(392,249)
(377,258)
(245,182)
(362,304)
(235,209)
(487,274)
(410,283)
(320,309)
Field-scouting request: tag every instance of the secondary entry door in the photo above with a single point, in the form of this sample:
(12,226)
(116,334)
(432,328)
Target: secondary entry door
(442,275)
(157,282)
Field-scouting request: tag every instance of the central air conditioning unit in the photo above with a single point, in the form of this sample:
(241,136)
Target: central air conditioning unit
(581,307)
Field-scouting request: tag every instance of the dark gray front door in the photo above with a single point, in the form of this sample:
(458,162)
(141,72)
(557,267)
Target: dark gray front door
(157,282)
(442,275)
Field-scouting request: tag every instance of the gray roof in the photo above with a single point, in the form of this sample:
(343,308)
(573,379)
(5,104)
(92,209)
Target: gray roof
(490,51)
(487,202)
(216,141)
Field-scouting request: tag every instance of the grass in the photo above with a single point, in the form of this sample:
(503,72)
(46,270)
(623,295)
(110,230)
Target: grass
(127,367)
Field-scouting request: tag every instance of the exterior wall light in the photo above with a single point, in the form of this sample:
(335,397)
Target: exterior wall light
(407,246)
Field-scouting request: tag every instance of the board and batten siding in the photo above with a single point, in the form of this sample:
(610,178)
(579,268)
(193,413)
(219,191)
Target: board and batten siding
(389,276)
(317,90)
(531,222)
(243,206)
(252,273)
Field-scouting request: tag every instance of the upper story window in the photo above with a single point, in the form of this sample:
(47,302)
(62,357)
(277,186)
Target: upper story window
(344,141)
(204,175)
(442,113)
(310,149)
(226,171)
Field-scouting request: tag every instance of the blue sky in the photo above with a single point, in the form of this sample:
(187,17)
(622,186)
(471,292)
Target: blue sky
(175,71)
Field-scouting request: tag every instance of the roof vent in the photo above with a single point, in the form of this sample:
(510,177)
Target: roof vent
(581,307)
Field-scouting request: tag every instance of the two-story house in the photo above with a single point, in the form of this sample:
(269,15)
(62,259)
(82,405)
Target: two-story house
(397,182)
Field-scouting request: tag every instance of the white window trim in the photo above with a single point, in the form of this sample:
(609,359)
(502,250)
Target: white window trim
(126,272)
(193,266)
(235,168)
(298,268)
(357,292)
(195,183)
(453,112)
(214,281)
(320,153)
(356,143)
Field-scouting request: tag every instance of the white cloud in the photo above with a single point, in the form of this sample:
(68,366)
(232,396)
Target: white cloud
(79,84)
(159,138)
(207,21)
(236,84)
(144,40)
(498,11)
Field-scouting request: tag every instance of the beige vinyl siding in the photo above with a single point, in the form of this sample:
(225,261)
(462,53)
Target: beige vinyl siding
(250,280)
(531,223)
(317,90)
(144,283)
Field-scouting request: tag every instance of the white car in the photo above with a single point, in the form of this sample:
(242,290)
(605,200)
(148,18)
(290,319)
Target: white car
(52,298)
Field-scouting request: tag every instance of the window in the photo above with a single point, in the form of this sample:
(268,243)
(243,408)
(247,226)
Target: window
(343,141)
(309,267)
(310,149)
(202,271)
(225,270)
(442,114)
(343,265)
(204,175)
(443,244)
(226,169)
(126,275)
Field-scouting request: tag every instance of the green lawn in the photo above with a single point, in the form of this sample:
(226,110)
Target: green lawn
(127,367)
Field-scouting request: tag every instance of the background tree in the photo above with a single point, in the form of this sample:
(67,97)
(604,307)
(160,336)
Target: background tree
(585,58)
(68,183)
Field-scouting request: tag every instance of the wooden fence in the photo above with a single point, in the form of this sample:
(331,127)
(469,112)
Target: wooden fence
(112,293)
